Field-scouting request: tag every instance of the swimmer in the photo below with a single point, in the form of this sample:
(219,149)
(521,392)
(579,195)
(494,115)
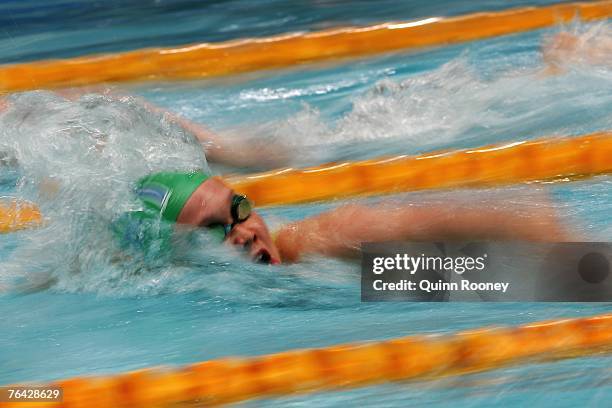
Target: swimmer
(195,199)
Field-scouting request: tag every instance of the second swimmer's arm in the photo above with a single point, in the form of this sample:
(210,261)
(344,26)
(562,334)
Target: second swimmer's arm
(245,153)
(339,233)
(222,150)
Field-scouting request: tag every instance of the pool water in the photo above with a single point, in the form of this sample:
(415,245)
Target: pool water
(68,309)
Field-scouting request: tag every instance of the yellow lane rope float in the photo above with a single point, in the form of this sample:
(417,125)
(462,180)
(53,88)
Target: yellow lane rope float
(344,366)
(214,59)
(489,166)
(17,215)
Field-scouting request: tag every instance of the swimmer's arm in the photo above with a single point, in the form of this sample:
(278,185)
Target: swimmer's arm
(242,152)
(222,150)
(340,232)
(245,153)
(215,148)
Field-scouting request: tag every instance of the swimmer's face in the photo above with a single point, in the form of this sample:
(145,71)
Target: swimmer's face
(211,204)
(253,236)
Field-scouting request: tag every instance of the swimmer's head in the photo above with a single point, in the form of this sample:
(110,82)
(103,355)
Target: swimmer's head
(196,199)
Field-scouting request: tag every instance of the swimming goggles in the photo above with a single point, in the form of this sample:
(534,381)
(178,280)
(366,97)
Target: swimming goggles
(240,210)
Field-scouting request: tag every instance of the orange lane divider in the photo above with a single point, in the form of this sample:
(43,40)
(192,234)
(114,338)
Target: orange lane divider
(489,166)
(337,367)
(214,59)
(17,215)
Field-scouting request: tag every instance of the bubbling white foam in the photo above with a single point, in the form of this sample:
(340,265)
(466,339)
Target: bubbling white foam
(460,102)
(79,160)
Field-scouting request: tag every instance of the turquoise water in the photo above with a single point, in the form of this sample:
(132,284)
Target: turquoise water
(67,309)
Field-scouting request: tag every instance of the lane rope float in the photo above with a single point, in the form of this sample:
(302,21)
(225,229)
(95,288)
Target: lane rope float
(488,166)
(539,160)
(419,357)
(245,55)
(17,215)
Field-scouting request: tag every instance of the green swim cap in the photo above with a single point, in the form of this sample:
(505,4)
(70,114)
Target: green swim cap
(167,192)
(164,195)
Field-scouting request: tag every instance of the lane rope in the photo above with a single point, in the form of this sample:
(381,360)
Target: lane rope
(540,160)
(419,357)
(245,55)
(489,166)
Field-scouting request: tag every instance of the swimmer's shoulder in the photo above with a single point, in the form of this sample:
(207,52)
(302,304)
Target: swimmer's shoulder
(286,240)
